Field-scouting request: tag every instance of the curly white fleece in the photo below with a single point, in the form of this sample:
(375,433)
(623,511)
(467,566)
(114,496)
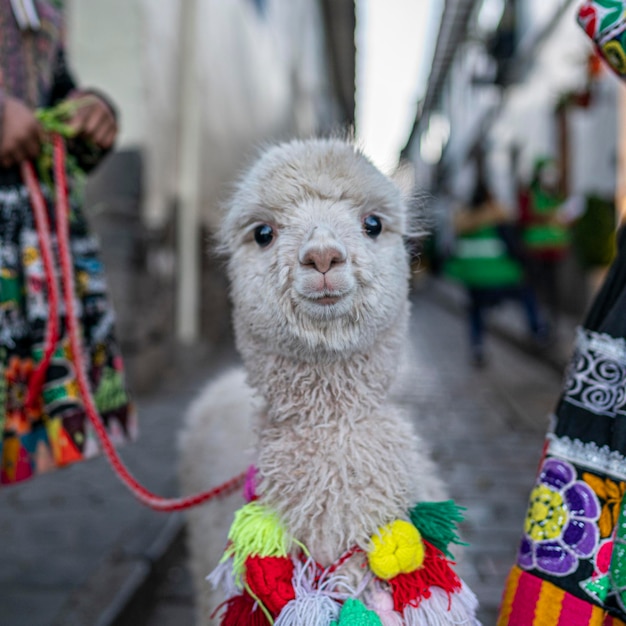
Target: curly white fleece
(336,458)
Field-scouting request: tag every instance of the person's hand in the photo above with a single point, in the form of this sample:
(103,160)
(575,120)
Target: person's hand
(94,121)
(21,133)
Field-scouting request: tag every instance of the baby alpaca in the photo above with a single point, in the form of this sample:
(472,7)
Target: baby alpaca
(319,284)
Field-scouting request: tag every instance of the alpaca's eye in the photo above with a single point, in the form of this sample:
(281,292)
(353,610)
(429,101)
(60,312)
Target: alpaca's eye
(263,235)
(372,226)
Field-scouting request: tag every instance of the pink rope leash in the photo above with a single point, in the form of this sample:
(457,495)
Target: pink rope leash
(40,213)
(43,229)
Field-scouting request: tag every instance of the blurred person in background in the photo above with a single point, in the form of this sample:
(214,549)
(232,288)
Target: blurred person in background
(545,232)
(571,560)
(42,420)
(487,260)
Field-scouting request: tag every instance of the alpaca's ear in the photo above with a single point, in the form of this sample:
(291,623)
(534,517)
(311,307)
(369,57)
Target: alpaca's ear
(403,177)
(415,201)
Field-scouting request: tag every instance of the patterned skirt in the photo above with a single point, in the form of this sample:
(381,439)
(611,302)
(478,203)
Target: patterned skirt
(571,564)
(44,425)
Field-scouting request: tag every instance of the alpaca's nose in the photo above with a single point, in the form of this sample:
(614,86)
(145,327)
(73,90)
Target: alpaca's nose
(322,251)
(323,258)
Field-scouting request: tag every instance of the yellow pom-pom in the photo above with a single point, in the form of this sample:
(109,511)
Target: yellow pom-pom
(398,549)
(255,531)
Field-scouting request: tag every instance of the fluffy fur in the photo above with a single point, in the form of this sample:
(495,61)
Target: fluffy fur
(320,317)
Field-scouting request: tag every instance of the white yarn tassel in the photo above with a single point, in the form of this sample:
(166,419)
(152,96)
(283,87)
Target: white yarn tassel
(442,610)
(317,602)
(314,609)
(381,602)
(223,577)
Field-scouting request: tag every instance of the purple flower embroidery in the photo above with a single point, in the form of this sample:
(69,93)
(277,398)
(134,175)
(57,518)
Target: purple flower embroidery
(561,523)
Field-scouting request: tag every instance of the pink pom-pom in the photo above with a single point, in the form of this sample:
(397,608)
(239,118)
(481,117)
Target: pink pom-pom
(381,602)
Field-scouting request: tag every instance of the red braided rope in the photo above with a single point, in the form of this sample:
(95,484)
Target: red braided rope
(342,559)
(334,566)
(42,225)
(62,220)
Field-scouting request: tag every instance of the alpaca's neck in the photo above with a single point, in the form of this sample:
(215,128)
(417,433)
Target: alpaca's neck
(330,387)
(333,457)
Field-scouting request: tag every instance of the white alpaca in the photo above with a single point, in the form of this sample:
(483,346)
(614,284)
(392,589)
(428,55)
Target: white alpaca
(319,276)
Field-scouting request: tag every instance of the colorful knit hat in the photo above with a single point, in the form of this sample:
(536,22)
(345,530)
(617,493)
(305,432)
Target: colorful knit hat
(604,21)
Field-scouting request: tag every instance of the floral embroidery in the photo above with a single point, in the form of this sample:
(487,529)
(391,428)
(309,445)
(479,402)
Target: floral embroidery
(599,585)
(602,560)
(560,526)
(17,375)
(612,494)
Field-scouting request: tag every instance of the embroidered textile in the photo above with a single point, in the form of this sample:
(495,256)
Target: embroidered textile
(574,541)
(596,380)
(54,431)
(49,429)
(604,21)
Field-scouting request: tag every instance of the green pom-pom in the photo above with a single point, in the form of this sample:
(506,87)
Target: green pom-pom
(255,531)
(355,613)
(437,523)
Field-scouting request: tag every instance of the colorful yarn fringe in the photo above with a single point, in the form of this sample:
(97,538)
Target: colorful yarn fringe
(242,609)
(437,522)
(256,531)
(441,609)
(409,581)
(410,589)
(531,601)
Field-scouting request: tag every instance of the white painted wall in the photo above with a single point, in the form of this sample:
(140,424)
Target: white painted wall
(264,76)
(260,76)
(105,47)
(594,139)
(160,32)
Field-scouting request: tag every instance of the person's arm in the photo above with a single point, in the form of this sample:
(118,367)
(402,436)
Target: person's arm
(95,120)
(20,132)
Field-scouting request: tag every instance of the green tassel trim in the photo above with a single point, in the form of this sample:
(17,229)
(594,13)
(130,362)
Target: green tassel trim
(437,522)
(255,531)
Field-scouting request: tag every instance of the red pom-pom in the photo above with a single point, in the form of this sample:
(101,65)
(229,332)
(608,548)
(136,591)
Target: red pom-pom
(240,611)
(436,571)
(269,579)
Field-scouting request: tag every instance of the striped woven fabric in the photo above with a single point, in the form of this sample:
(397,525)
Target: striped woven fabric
(531,601)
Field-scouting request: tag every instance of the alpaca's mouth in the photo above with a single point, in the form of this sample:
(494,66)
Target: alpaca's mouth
(326,304)
(326,300)
(325,297)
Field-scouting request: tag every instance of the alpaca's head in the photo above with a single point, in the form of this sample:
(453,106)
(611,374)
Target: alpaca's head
(317,262)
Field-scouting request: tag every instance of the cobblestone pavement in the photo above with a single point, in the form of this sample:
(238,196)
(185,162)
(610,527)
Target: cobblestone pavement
(486,428)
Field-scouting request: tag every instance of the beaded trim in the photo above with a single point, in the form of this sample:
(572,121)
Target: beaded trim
(601,460)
